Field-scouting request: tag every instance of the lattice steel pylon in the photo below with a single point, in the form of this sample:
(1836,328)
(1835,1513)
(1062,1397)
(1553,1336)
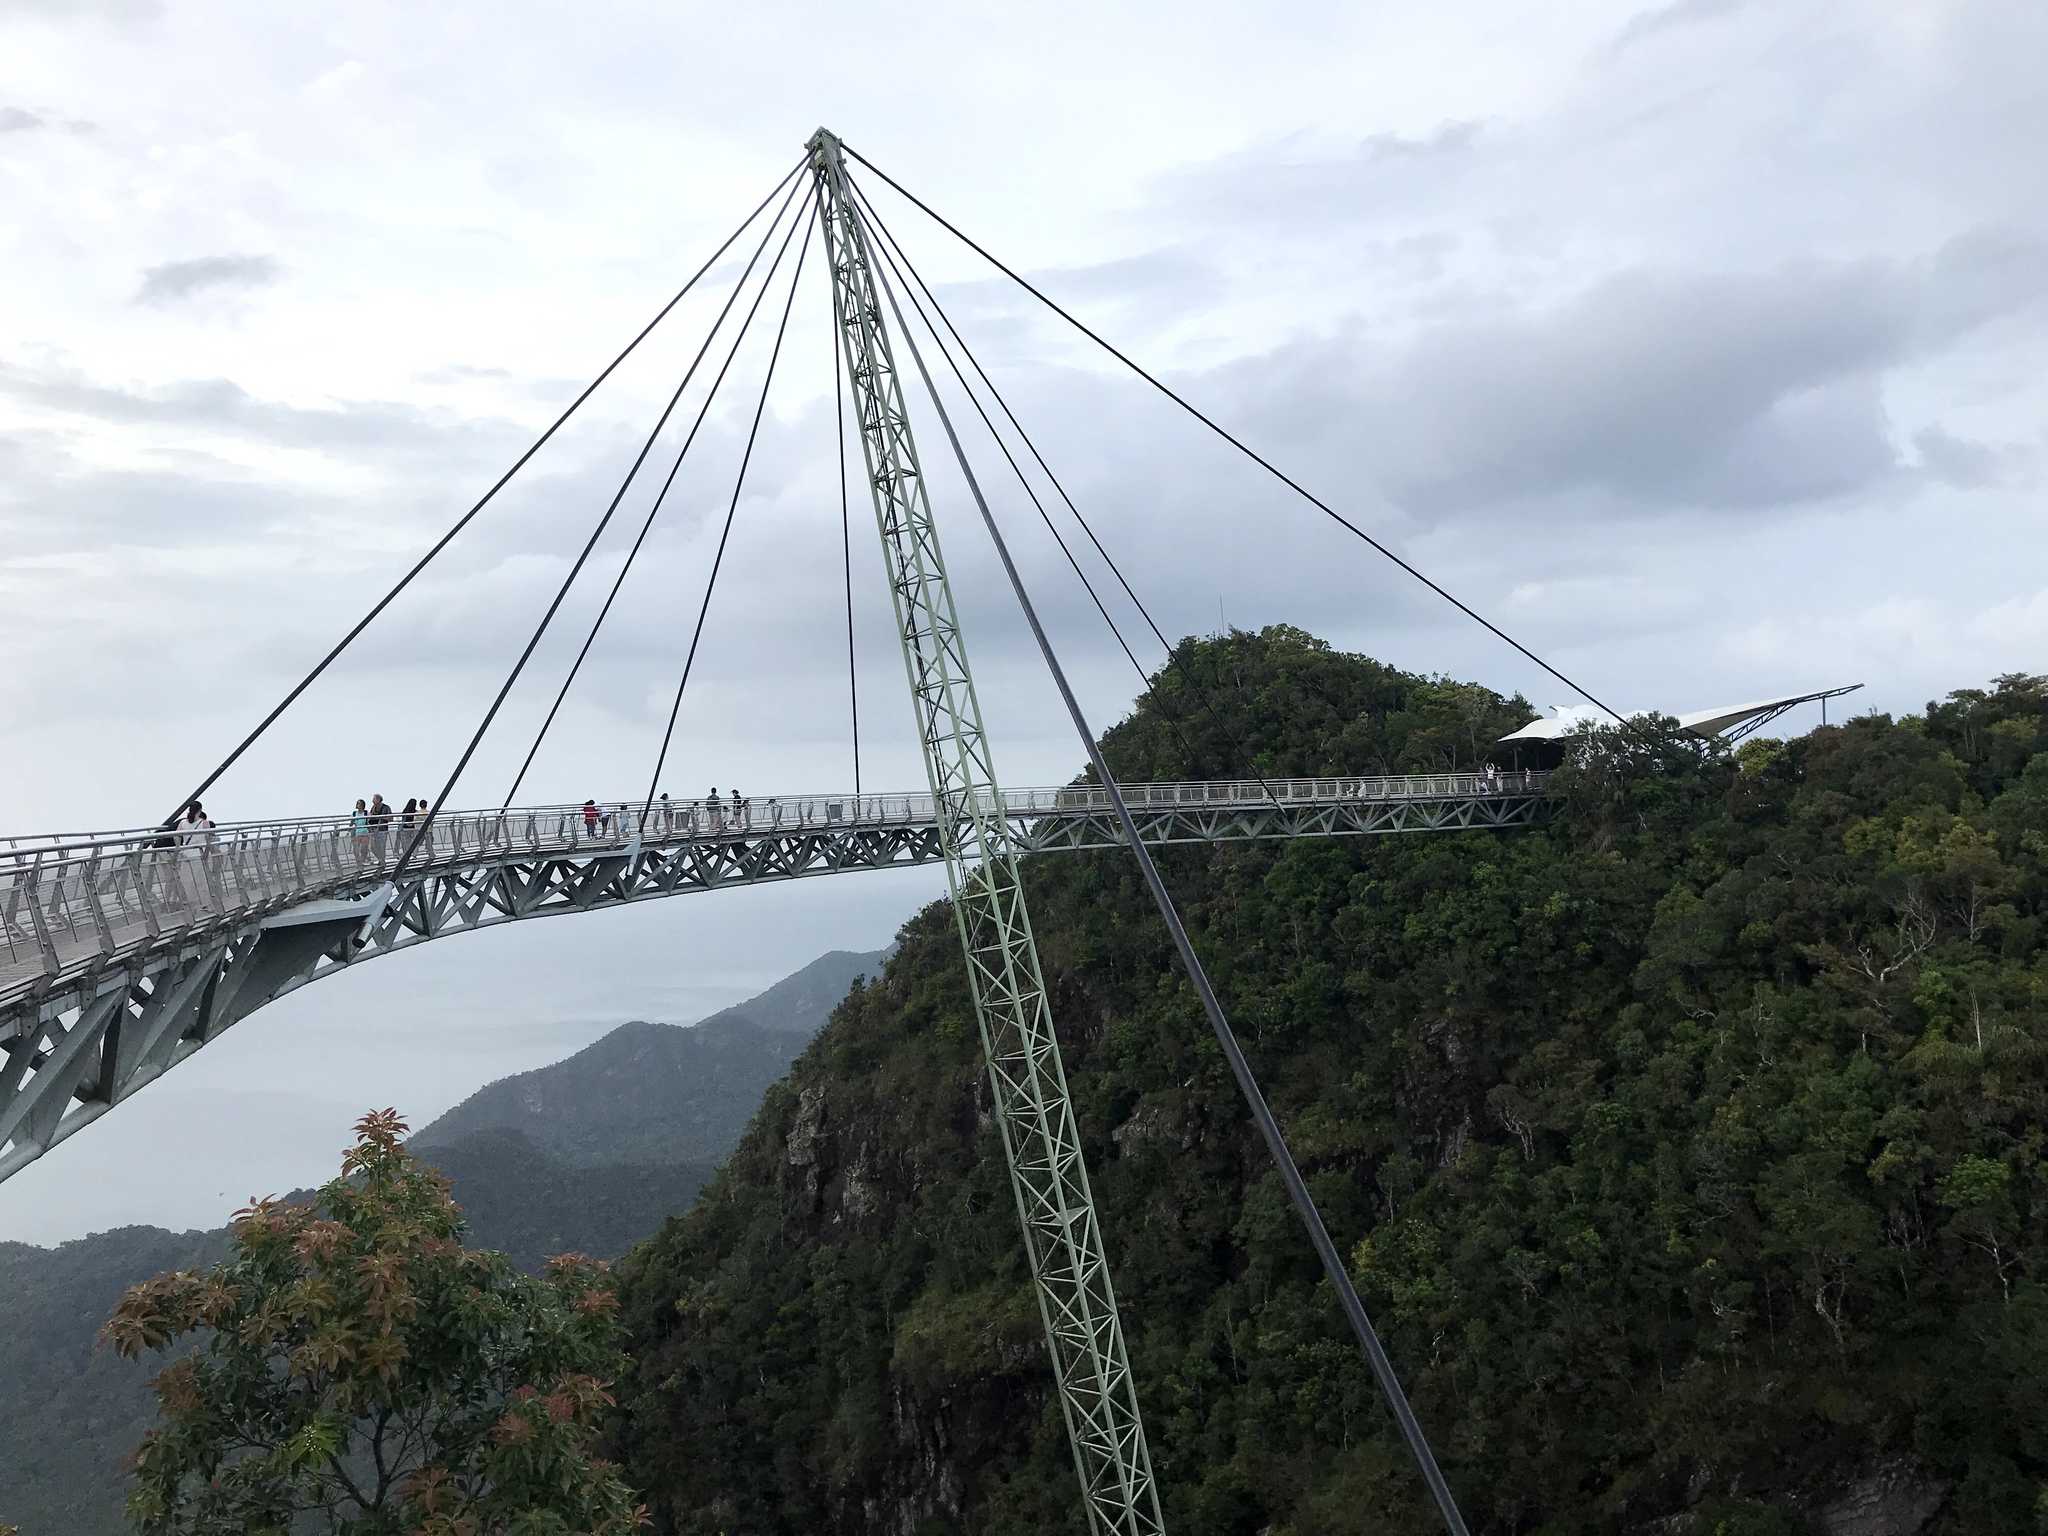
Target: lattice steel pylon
(1033,1110)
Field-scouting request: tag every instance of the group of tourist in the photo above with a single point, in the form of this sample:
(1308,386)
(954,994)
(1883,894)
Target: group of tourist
(739,817)
(734,812)
(189,832)
(186,837)
(369,825)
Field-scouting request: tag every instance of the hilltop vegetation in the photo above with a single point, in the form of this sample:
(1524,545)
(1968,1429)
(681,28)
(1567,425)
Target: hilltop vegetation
(1687,1150)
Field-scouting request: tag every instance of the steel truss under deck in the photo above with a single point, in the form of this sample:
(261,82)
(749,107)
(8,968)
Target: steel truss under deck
(1033,1110)
(115,984)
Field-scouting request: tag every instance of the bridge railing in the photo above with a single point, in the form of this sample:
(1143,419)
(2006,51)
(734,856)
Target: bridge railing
(64,895)
(1224,793)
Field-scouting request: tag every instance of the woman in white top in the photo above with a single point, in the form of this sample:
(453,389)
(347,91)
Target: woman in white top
(195,832)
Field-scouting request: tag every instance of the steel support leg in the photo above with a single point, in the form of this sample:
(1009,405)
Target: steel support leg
(1032,1106)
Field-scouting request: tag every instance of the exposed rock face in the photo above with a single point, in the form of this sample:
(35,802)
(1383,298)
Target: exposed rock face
(934,1492)
(805,1143)
(1895,1498)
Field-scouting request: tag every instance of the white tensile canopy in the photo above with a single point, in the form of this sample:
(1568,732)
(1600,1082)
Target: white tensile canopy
(1732,722)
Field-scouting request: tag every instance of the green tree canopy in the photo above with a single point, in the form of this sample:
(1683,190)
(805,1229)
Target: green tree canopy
(362,1373)
(1688,1149)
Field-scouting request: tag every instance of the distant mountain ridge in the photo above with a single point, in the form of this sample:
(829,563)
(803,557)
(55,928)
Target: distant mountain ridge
(586,1155)
(660,1093)
(72,1409)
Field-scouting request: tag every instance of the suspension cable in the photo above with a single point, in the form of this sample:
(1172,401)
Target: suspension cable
(939,342)
(1269,1128)
(845,542)
(1186,746)
(875,218)
(1264,463)
(655,511)
(1146,682)
(739,482)
(463,521)
(540,629)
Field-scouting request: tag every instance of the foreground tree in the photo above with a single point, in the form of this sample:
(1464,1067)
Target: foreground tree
(362,1372)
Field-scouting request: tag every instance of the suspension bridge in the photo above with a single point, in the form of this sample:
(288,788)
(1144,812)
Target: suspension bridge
(125,952)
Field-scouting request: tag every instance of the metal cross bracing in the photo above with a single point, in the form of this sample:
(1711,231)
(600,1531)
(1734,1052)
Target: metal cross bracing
(121,956)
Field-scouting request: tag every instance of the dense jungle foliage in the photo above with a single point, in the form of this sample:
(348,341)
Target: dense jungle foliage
(1687,1150)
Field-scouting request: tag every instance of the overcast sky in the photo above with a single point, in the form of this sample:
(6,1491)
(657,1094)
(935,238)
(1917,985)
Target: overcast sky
(1698,344)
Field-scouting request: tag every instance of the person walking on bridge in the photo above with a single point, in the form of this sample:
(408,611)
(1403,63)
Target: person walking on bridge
(590,818)
(195,833)
(162,866)
(380,825)
(714,810)
(359,832)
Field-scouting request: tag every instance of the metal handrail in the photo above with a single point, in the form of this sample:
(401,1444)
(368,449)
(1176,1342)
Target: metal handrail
(886,807)
(76,892)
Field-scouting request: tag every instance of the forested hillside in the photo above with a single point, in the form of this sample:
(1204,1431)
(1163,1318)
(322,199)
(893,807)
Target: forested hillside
(71,1409)
(655,1092)
(584,1155)
(1687,1151)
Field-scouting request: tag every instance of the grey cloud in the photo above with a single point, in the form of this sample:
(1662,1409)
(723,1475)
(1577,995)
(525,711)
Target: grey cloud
(119,11)
(1733,390)
(21,120)
(1673,17)
(172,281)
(50,503)
(1964,462)
(1452,138)
(456,373)
(1652,390)
(1146,288)
(1165,268)
(1981,276)
(1283,179)
(379,430)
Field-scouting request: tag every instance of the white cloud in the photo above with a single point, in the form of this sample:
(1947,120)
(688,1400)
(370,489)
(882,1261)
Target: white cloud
(336,80)
(2015,633)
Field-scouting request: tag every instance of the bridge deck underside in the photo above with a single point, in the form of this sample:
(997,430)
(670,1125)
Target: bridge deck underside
(140,966)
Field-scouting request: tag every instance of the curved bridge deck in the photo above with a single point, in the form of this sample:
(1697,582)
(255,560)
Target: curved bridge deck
(122,953)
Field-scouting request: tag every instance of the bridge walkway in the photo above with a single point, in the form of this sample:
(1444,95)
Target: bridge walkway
(121,953)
